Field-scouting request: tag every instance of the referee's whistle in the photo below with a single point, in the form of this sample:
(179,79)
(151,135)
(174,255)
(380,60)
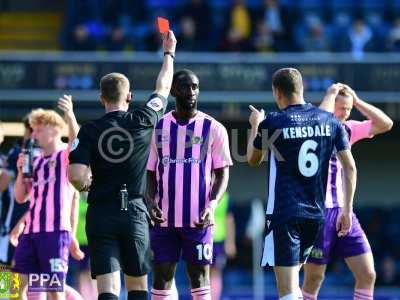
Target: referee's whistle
(123,194)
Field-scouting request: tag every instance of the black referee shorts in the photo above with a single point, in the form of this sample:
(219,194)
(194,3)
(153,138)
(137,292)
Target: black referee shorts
(118,239)
(290,243)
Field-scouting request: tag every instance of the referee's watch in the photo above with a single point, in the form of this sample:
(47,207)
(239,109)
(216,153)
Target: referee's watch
(172,54)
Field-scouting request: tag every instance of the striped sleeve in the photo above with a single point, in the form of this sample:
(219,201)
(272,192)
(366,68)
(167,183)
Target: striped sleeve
(221,156)
(153,157)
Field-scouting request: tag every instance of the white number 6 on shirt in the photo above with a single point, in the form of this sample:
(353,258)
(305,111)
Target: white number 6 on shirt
(308,161)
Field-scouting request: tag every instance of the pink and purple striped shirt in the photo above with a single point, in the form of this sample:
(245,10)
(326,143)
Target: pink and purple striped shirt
(356,131)
(51,194)
(184,156)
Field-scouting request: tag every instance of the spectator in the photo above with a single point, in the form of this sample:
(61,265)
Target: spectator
(239,29)
(316,38)
(393,41)
(199,13)
(10,210)
(112,15)
(188,34)
(263,39)
(360,38)
(277,19)
(84,27)
(153,40)
(126,23)
(388,273)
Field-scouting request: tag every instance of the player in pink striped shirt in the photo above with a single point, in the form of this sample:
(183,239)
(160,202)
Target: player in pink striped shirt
(52,216)
(354,247)
(188,170)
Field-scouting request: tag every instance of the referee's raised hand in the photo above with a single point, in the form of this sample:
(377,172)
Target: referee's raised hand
(169,41)
(256,116)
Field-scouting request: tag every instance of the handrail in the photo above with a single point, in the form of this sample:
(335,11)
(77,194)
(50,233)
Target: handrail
(200,57)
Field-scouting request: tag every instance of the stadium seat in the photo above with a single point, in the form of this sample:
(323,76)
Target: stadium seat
(30,30)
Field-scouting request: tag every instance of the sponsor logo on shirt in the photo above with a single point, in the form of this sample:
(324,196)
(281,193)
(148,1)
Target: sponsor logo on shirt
(168,160)
(155,104)
(196,140)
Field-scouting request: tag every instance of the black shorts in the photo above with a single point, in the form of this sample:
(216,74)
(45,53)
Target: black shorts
(290,243)
(118,239)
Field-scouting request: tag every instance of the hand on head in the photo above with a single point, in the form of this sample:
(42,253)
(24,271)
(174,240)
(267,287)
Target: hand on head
(335,88)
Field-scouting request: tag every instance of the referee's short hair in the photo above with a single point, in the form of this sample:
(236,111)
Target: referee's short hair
(114,87)
(288,81)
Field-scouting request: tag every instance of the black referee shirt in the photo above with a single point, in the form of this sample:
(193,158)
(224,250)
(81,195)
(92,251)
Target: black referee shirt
(116,148)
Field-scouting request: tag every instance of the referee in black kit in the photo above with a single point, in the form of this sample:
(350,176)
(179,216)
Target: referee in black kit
(115,149)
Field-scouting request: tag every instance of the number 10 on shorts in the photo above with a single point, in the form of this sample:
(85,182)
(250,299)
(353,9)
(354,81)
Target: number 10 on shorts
(204,251)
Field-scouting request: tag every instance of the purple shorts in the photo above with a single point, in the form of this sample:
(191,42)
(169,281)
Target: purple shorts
(194,245)
(43,252)
(329,244)
(219,255)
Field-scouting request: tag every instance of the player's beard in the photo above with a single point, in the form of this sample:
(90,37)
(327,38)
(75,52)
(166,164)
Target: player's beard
(187,105)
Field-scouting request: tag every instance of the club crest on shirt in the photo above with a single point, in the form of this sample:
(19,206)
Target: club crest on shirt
(164,138)
(155,104)
(197,140)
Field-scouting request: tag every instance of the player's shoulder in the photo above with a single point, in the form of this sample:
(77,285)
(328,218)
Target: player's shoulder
(87,126)
(325,116)
(274,114)
(272,118)
(214,123)
(165,118)
(322,112)
(354,123)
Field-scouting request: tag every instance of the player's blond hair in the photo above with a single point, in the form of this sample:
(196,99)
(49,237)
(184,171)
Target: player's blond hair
(344,92)
(46,117)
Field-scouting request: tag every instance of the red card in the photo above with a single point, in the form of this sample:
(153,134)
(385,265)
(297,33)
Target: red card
(163,25)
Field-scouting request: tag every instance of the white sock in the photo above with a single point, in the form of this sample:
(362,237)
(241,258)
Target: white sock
(291,296)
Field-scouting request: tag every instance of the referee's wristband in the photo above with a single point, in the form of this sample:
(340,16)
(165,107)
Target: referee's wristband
(172,54)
